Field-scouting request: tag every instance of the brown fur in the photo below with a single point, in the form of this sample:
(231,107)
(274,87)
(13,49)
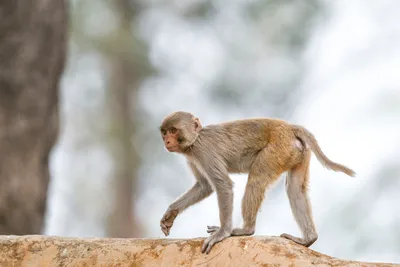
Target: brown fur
(264,148)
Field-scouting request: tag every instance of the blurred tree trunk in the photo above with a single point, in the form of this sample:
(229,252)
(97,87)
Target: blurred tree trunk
(120,222)
(121,94)
(32,54)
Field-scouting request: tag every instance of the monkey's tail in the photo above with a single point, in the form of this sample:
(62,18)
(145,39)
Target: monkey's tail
(309,138)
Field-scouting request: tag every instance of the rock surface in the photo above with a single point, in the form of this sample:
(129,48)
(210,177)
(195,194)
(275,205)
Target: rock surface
(234,251)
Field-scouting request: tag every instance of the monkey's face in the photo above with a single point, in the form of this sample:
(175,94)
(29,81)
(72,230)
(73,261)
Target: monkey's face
(171,139)
(179,130)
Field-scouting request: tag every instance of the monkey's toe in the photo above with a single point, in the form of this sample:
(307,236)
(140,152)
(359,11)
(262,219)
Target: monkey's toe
(304,242)
(212,229)
(214,239)
(293,238)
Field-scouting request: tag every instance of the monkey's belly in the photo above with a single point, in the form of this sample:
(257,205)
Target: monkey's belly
(241,164)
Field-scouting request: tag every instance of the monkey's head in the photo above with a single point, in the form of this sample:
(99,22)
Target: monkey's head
(179,130)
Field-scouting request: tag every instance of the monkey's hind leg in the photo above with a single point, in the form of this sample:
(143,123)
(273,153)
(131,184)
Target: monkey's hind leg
(296,188)
(264,171)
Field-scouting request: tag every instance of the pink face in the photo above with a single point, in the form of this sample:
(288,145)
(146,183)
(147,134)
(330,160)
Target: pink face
(170,138)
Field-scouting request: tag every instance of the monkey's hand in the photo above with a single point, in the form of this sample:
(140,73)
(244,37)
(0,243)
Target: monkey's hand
(218,236)
(168,220)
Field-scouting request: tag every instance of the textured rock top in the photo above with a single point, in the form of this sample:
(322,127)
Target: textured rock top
(234,251)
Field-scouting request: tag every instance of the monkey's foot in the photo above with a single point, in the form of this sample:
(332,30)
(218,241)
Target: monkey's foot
(302,241)
(242,231)
(218,236)
(235,231)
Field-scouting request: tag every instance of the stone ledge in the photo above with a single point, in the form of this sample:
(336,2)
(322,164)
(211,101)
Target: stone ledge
(46,251)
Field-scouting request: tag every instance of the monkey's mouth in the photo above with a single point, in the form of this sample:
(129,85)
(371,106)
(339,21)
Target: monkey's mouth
(172,148)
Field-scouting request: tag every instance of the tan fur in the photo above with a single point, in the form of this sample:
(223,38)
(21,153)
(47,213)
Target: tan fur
(264,148)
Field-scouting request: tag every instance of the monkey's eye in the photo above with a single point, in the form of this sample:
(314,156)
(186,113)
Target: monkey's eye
(173,130)
(163,132)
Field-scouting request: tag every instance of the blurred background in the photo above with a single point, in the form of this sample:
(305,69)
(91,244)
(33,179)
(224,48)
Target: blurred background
(331,66)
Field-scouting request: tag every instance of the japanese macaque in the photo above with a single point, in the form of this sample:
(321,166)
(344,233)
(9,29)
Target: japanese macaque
(264,148)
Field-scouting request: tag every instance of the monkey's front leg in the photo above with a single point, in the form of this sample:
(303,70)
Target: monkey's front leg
(225,204)
(197,193)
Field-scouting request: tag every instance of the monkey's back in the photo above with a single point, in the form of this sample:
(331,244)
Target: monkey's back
(254,133)
(239,142)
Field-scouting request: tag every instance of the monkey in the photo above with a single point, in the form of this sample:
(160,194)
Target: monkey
(263,148)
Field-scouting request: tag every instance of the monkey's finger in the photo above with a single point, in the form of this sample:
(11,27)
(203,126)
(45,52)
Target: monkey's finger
(165,218)
(210,245)
(205,244)
(167,223)
(165,229)
(162,224)
(166,232)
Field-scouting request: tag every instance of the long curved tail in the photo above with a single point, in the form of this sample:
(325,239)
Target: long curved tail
(309,138)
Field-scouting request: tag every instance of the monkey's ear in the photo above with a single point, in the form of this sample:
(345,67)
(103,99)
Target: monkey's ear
(197,125)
